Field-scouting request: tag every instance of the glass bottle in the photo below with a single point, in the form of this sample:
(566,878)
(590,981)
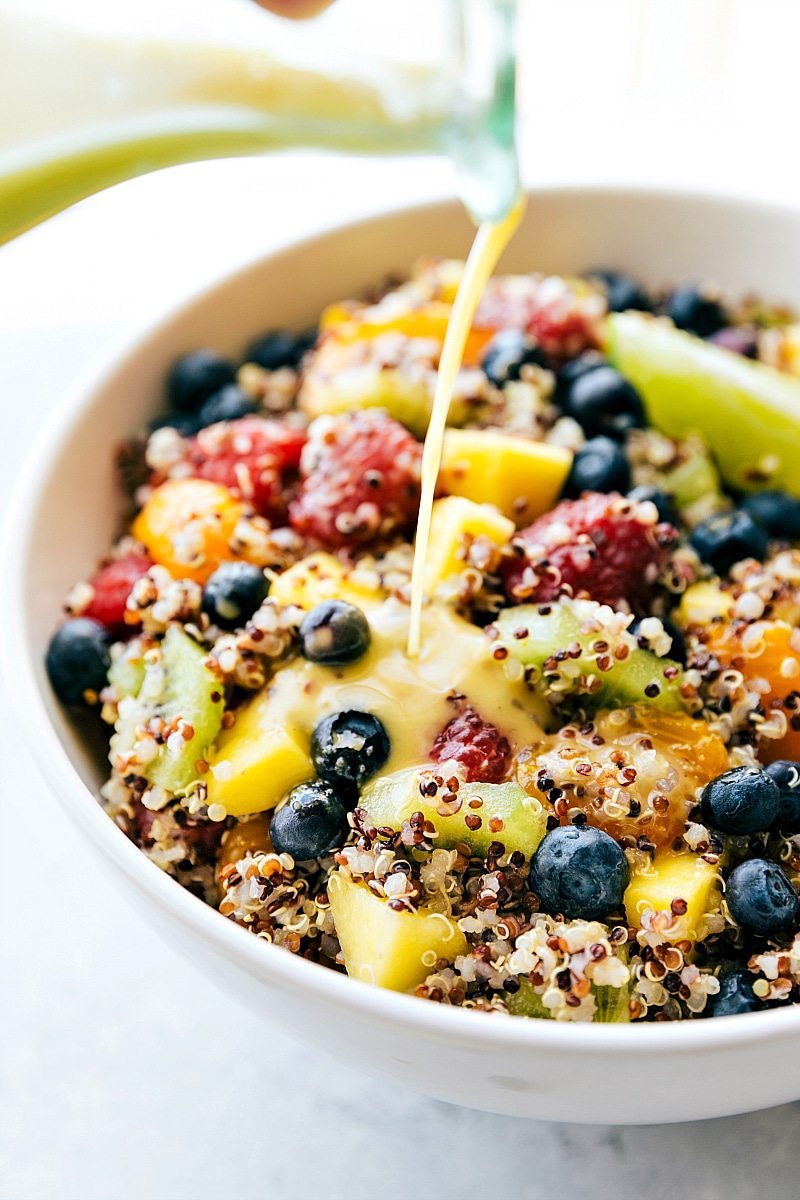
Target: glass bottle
(92,94)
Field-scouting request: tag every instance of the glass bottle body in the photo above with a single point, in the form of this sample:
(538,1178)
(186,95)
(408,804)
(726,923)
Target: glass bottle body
(89,97)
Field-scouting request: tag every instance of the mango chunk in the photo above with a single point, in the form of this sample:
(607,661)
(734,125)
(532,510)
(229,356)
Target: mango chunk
(257,761)
(321,577)
(455,523)
(671,877)
(429,321)
(389,949)
(703,602)
(521,478)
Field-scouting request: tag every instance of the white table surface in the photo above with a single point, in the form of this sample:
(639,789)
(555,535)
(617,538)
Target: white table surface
(109,1086)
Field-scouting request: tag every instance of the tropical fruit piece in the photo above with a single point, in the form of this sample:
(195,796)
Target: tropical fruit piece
(180,690)
(703,603)
(527,1002)
(320,577)
(612,1003)
(633,772)
(747,412)
(692,481)
(188,526)
(539,636)
(681,886)
(370,358)
(768,655)
(330,389)
(126,673)
(520,477)
(455,523)
(429,321)
(505,812)
(385,947)
(257,761)
(247,837)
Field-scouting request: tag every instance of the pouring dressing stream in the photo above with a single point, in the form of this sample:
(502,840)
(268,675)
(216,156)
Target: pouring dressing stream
(490,241)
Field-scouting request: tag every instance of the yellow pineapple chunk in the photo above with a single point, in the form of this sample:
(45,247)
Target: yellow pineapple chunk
(455,523)
(704,601)
(257,761)
(320,577)
(390,949)
(521,478)
(671,877)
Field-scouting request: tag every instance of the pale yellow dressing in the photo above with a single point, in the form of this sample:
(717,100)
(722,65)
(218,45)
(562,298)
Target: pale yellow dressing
(409,696)
(490,242)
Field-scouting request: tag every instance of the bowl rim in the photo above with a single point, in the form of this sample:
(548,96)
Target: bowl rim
(405,1012)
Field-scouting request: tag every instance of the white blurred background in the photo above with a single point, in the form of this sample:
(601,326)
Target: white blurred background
(123,1074)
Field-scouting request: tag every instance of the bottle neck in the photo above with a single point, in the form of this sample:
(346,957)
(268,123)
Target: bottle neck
(481,136)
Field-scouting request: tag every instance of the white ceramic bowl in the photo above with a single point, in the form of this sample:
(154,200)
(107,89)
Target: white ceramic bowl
(65,514)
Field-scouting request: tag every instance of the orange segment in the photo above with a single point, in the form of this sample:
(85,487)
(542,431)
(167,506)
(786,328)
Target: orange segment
(634,772)
(188,527)
(768,655)
(427,322)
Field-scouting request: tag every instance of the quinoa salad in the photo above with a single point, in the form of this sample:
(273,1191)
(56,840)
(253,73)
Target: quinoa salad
(581,800)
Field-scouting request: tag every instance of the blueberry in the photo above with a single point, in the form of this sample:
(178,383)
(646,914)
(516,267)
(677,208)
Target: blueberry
(349,747)
(573,370)
(744,800)
(664,505)
(334,633)
(229,404)
(727,538)
(507,353)
(312,821)
(603,402)
(622,291)
(196,377)
(741,339)
(77,659)
(233,593)
(280,348)
(677,651)
(760,897)
(185,423)
(786,776)
(599,466)
(735,994)
(696,310)
(778,512)
(579,871)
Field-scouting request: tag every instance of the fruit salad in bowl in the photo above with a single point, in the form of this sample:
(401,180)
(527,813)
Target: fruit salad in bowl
(581,800)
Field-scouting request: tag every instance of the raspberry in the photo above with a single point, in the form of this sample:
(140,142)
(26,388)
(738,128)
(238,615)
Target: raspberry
(361,479)
(112,585)
(563,321)
(477,745)
(253,457)
(601,546)
(562,331)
